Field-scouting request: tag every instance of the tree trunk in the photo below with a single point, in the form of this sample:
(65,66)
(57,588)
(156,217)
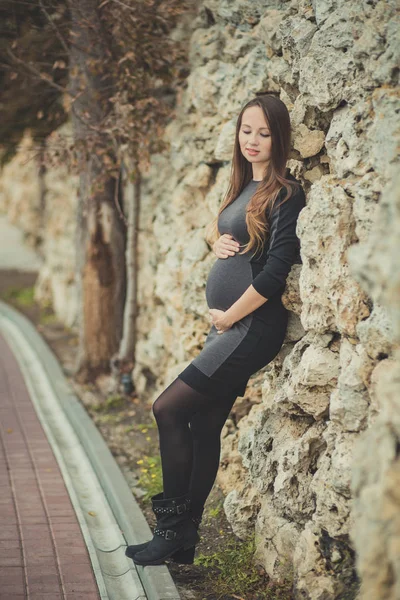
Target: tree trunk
(100,237)
(126,353)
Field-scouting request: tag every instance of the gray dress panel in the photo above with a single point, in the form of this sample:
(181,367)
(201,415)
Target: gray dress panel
(228,279)
(227,360)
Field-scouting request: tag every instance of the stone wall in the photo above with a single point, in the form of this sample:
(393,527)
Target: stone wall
(310,457)
(288,464)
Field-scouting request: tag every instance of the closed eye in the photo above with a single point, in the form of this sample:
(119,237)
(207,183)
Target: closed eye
(262,134)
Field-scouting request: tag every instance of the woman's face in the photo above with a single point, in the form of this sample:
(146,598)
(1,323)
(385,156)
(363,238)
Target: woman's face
(254,134)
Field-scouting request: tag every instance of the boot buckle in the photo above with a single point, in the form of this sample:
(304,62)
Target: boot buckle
(170,537)
(180,509)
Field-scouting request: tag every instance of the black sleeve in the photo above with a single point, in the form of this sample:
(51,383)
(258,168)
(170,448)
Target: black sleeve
(283,244)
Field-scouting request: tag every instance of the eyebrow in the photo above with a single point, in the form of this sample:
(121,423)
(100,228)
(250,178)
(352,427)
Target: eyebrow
(245,125)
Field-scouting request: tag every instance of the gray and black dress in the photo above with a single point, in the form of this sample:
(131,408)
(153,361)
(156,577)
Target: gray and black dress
(227,360)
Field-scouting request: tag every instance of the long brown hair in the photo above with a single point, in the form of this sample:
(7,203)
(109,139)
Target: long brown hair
(263,200)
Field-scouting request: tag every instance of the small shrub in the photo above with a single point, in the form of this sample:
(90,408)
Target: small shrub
(22,296)
(114,401)
(234,573)
(151,476)
(214,512)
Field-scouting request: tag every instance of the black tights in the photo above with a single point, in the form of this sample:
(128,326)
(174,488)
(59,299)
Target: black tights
(190,455)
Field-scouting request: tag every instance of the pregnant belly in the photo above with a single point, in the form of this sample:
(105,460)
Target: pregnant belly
(228,279)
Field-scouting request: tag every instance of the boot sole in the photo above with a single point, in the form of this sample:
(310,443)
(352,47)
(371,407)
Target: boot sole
(159,561)
(183,557)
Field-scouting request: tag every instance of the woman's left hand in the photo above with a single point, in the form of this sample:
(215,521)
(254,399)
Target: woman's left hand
(220,320)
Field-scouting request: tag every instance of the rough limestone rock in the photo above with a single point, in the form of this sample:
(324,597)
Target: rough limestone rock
(375,480)
(349,401)
(332,299)
(310,457)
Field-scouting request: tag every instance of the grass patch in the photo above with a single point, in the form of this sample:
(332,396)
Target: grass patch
(21,296)
(108,418)
(48,318)
(150,480)
(24,297)
(214,512)
(142,427)
(112,402)
(233,572)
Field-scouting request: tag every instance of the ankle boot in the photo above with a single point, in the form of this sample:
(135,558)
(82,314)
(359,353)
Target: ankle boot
(175,531)
(186,557)
(131,550)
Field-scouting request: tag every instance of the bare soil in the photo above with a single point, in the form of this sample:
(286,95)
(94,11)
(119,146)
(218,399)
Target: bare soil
(123,427)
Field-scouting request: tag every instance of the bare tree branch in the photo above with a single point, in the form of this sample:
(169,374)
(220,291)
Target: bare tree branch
(55,28)
(37,73)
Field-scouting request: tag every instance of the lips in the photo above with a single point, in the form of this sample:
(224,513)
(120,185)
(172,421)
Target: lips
(252,152)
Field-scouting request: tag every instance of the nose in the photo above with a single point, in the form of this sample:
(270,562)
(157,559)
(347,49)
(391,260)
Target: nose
(253,141)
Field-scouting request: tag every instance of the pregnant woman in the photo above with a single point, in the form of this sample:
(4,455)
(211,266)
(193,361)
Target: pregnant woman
(254,239)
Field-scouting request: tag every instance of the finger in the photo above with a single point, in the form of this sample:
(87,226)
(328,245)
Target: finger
(229,251)
(231,247)
(229,241)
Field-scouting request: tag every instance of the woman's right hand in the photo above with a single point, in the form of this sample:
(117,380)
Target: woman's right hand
(225,246)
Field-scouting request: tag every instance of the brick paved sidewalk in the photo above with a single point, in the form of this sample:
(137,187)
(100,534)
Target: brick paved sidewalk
(43,555)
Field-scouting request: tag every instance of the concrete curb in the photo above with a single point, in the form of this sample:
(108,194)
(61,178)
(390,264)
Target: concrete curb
(40,364)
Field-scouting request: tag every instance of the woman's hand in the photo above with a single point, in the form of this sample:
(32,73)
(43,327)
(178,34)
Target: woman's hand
(220,320)
(225,246)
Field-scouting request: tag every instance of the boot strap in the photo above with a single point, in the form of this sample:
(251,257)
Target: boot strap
(168,534)
(178,509)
